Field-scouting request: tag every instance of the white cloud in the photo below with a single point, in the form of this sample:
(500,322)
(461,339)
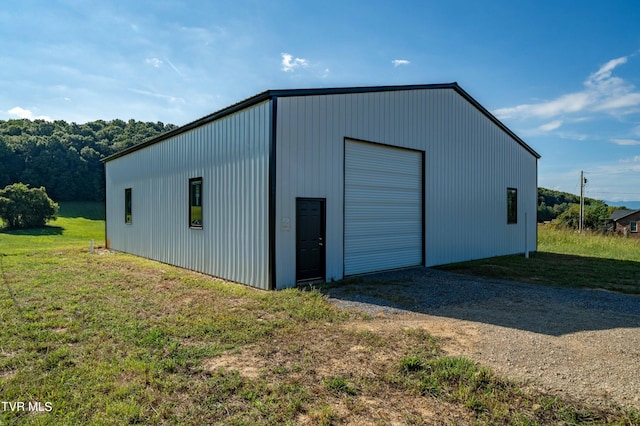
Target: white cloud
(25,113)
(574,102)
(154,61)
(602,92)
(553,125)
(614,180)
(169,98)
(623,101)
(397,62)
(623,166)
(20,113)
(627,142)
(573,136)
(605,71)
(289,63)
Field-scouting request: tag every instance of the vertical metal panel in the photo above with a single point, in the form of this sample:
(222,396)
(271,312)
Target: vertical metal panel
(469,163)
(231,155)
(383,208)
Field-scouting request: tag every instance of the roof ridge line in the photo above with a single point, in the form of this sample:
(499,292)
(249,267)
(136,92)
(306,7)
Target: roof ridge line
(276,93)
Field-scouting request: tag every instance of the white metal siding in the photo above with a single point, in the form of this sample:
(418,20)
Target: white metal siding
(232,157)
(383,208)
(469,164)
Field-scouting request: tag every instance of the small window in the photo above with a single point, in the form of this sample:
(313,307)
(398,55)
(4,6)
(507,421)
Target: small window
(195,202)
(512,205)
(634,226)
(128,217)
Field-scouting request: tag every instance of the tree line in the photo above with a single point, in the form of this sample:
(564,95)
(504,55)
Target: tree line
(564,208)
(65,157)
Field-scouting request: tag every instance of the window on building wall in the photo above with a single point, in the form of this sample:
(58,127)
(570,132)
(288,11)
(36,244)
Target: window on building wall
(127,206)
(195,202)
(633,226)
(512,205)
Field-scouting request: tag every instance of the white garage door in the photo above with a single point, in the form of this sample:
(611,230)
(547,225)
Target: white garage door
(383,208)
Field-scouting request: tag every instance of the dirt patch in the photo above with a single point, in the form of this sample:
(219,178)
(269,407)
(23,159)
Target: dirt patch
(394,409)
(351,351)
(454,336)
(247,364)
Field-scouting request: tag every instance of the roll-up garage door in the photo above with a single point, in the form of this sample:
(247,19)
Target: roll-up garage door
(383,223)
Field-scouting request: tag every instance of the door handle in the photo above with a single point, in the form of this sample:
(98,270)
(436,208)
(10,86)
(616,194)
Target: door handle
(320,244)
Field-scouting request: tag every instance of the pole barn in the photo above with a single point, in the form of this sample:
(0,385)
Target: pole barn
(293,186)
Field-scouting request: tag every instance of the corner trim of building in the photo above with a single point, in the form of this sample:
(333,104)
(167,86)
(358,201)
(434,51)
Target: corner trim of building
(272,194)
(104,182)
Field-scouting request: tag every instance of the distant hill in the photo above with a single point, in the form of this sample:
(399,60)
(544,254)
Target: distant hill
(633,205)
(65,157)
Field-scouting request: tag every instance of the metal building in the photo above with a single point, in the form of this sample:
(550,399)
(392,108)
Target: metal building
(318,184)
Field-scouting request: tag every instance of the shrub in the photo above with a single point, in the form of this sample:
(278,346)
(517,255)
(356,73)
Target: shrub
(24,207)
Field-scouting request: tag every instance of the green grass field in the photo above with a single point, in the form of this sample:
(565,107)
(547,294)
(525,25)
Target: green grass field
(77,224)
(109,338)
(554,240)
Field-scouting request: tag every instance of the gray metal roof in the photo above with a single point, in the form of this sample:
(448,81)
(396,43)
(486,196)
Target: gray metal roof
(270,94)
(619,214)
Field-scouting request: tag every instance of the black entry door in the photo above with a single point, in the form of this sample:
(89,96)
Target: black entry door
(310,239)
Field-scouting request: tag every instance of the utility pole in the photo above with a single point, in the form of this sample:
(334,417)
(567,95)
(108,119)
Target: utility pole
(583,181)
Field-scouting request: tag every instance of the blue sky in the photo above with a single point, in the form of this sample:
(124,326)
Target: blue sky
(564,75)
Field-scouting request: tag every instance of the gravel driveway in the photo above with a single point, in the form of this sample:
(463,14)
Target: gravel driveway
(581,344)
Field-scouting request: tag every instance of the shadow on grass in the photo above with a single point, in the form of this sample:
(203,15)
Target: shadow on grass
(92,210)
(555,308)
(34,232)
(558,270)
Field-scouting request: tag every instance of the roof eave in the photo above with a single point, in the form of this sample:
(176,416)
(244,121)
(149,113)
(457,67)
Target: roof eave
(622,217)
(494,119)
(260,97)
(269,94)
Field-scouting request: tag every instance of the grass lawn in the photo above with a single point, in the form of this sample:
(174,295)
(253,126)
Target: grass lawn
(76,226)
(110,338)
(566,258)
